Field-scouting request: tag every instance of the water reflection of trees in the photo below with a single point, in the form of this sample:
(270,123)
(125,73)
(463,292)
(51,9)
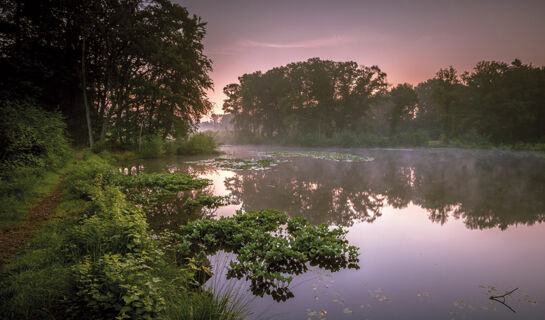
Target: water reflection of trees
(484,189)
(172,211)
(169,211)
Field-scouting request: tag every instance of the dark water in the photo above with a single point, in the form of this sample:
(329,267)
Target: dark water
(436,229)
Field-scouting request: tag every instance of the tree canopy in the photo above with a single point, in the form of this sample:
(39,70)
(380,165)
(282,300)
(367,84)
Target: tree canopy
(319,96)
(135,66)
(495,102)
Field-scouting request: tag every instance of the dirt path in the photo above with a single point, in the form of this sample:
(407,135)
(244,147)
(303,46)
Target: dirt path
(12,240)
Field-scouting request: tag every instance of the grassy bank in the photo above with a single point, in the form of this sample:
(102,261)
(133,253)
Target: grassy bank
(98,259)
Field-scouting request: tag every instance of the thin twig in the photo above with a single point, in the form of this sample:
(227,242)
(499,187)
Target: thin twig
(497,298)
(503,295)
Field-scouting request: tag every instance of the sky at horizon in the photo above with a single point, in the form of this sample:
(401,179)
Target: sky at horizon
(409,40)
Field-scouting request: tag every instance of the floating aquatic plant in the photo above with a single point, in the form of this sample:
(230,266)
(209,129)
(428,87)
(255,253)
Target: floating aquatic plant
(239,164)
(270,247)
(335,156)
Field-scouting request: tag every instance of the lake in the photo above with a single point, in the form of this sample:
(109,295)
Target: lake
(439,230)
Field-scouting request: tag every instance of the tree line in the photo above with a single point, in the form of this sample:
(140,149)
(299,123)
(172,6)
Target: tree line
(116,70)
(496,102)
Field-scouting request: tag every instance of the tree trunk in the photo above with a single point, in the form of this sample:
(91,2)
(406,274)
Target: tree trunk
(84,92)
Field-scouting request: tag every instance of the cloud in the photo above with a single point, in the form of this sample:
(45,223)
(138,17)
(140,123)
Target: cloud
(315,43)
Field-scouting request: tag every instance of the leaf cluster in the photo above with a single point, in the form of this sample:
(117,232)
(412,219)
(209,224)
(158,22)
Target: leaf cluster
(267,253)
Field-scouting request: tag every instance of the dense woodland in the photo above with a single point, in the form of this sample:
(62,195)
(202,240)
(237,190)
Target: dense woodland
(347,104)
(115,70)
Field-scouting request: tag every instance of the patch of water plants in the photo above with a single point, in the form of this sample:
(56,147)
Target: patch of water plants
(239,164)
(101,261)
(335,156)
(270,248)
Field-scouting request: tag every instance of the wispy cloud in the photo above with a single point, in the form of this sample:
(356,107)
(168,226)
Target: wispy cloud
(315,43)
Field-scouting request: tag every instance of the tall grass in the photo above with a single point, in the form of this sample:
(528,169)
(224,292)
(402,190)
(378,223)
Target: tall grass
(216,300)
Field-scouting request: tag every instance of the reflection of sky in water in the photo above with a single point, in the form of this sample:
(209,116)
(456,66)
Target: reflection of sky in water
(411,268)
(427,225)
(219,188)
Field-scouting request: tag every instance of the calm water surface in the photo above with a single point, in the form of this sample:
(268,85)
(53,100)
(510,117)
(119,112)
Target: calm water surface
(436,229)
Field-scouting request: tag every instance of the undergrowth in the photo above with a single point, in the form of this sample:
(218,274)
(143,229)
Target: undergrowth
(33,157)
(99,260)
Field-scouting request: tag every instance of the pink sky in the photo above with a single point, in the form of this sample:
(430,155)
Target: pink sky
(409,40)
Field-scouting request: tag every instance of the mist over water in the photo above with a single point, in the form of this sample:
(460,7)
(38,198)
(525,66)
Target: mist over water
(439,230)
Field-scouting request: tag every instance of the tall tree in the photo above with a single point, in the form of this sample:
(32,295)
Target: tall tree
(142,63)
(445,97)
(404,100)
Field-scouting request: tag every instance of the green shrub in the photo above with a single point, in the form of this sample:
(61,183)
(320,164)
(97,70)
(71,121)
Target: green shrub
(33,155)
(31,137)
(171,147)
(345,139)
(99,146)
(198,143)
(116,287)
(472,139)
(308,140)
(153,146)
(419,138)
(111,229)
(89,176)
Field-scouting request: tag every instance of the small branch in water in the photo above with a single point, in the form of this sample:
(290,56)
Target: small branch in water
(497,298)
(503,295)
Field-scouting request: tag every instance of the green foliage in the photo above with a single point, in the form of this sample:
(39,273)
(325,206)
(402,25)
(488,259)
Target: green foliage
(89,176)
(114,227)
(345,139)
(304,100)
(163,182)
(99,147)
(95,173)
(313,103)
(101,261)
(147,189)
(117,287)
(205,305)
(33,155)
(31,137)
(410,138)
(144,60)
(404,100)
(267,255)
(198,143)
(38,278)
(203,200)
(153,146)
